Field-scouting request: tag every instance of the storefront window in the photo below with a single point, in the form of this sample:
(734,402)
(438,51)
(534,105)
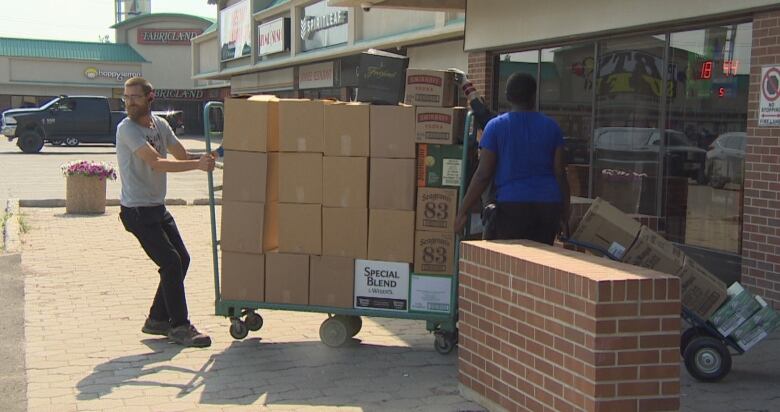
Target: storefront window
(524,62)
(566,95)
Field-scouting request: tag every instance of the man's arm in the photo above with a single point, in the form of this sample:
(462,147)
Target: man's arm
(482,178)
(161,164)
(179,152)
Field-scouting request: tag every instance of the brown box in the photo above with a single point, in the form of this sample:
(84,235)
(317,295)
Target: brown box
(249,227)
(436,209)
(300,125)
(331,281)
(440,125)
(434,252)
(347,129)
(345,232)
(392,184)
(243,276)
(345,181)
(391,235)
(652,251)
(287,278)
(300,178)
(252,125)
(435,88)
(608,228)
(250,177)
(300,228)
(392,132)
(701,292)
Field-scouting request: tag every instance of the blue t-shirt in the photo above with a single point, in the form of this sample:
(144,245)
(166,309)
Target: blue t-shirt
(524,144)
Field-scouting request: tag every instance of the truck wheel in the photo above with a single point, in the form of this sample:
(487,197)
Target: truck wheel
(30,142)
(71,141)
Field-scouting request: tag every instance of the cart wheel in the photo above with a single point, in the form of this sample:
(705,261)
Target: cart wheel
(707,359)
(238,329)
(445,342)
(253,321)
(688,335)
(354,323)
(334,331)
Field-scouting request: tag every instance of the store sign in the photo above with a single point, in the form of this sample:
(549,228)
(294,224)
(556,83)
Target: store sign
(273,37)
(235,31)
(94,73)
(316,76)
(167,36)
(323,26)
(769,100)
(179,94)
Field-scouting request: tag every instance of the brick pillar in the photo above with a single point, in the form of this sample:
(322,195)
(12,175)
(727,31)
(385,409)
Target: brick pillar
(545,329)
(761,204)
(481,74)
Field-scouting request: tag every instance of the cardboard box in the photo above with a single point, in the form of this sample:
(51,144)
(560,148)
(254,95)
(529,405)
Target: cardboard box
(391,235)
(431,294)
(439,165)
(300,178)
(250,177)
(392,133)
(378,76)
(756,335)
(436,209)
(381,285)
(331,281)
(249,227)
(435,88)
(440,125)
(739,307)
(347,129)
(243,277)
(764,317)
(701,292)
(301,124)
(300,228)
(392,184)
(434,252)
(287,278)
(608,228)
(251,125)
(345,181)
(345,232)
(652,251)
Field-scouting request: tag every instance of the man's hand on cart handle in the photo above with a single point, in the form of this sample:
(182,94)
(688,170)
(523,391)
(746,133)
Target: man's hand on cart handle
(460,223)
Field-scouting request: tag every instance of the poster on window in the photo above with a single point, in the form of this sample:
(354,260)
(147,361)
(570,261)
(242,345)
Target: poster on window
(235,32)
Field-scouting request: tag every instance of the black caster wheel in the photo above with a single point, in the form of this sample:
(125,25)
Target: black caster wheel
(334,331)
(707,359)
(355,323)
(253,321)
(445,342)
(238,329)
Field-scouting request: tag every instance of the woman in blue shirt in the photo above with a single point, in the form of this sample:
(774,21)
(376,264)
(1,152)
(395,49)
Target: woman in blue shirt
(521,152)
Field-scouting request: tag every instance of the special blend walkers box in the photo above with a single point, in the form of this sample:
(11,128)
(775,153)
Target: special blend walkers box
(381,285)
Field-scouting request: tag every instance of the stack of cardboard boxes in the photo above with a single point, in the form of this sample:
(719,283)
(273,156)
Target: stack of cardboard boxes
(746,318)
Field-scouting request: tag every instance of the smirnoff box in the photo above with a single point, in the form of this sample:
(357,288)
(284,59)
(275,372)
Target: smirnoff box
(381,285)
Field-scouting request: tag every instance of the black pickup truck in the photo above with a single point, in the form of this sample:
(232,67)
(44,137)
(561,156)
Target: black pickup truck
(67,119)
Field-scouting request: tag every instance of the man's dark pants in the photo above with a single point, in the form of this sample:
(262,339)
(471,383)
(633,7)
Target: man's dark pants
(156,230)
(534,221)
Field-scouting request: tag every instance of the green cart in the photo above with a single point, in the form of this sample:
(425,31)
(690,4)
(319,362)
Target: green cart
(341,324)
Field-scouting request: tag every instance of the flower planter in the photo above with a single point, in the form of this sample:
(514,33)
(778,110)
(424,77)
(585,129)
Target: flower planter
(85,195)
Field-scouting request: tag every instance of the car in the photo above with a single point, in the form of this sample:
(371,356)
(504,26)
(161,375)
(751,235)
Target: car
(726,159)
(637,149)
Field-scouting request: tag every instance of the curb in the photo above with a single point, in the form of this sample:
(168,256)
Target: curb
(51,203)
(11,241)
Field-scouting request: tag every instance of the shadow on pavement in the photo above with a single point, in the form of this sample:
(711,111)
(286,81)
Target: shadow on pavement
(45,153)
(249,372)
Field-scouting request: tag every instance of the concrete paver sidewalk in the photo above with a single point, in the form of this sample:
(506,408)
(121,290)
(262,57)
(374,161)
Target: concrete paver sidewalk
(88,289)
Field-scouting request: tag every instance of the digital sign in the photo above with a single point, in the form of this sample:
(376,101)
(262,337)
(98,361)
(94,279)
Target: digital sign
(730,68)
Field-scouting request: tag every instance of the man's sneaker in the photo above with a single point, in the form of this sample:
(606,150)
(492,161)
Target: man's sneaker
(156,327)
(187,335)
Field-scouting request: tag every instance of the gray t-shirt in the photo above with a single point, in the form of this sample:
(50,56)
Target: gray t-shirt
(141,185)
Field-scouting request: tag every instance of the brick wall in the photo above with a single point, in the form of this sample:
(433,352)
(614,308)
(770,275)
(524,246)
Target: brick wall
(545,329)
(481,74)
(761,204)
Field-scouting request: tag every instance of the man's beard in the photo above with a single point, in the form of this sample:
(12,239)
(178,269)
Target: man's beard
(137,111)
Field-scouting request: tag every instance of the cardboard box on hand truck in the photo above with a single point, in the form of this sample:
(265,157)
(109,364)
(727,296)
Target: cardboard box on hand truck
(739,307)
(701,292)
(606,227)
(758,327)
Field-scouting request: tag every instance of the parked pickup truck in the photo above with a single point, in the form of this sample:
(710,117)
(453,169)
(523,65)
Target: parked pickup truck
(67,119)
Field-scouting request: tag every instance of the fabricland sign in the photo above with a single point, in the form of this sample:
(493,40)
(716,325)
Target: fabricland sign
(167,36)
(93,73)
